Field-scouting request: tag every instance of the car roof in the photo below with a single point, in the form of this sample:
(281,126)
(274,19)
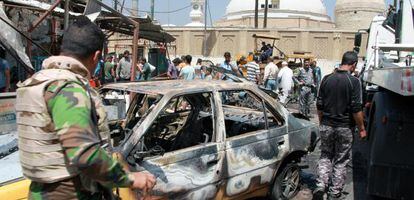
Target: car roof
(175,86)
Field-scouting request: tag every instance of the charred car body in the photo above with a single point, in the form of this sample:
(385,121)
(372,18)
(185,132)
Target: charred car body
(208,139)
(202,140)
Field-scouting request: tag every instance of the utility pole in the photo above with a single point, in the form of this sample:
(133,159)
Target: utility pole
(205,28)
(152,9)
(135,7)
(256,14)
(66,16)
(265,13)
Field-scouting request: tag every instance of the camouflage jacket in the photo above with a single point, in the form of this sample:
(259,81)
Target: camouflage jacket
(70,105)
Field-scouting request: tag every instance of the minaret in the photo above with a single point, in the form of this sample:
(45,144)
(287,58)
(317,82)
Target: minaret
(197,13)
(357,14)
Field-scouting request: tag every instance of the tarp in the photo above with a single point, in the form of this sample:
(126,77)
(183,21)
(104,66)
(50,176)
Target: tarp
(41,5)
(147,29)
(12,41)
(108,21)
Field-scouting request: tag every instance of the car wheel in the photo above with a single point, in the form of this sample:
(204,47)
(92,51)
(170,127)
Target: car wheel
(287,182)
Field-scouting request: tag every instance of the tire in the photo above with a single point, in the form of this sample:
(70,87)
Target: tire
(287,182)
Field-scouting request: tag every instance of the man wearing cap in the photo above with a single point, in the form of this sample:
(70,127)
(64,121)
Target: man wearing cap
(285,80)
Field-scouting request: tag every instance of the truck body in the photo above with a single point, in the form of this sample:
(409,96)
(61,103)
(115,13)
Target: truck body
(388,81)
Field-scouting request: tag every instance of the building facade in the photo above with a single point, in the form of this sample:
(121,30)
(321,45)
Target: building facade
(298,25)
(324,44)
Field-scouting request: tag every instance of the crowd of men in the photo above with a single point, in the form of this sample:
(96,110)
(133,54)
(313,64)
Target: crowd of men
(280,78)
(65,117)
(277,75)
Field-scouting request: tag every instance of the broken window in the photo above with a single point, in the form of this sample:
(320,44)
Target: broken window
(185,121)
(244,112)
(123,113)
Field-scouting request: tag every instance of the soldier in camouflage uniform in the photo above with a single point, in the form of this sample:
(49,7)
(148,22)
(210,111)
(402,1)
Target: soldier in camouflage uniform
(58,117)
(339,107)
(305,80)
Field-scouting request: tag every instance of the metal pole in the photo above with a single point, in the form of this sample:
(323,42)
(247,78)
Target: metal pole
(256,14)
(134,52)
(152,9)
(66,19)
(44,15)
(265,13)
(135,7)
(205,29)
(25,36)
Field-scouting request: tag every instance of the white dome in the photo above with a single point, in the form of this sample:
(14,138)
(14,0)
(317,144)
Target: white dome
(313,6)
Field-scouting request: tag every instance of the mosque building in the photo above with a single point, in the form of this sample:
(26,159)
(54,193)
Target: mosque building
(297,25)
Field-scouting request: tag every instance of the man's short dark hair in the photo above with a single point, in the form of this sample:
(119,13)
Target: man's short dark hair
(144,60)
(256,58)
(227,54)
(188,59)
(199,60)
(177,61)
(349,58)
(126,52)
(82,38)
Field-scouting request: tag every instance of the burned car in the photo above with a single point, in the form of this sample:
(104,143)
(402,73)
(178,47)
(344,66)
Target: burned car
(208,139)
(201,139)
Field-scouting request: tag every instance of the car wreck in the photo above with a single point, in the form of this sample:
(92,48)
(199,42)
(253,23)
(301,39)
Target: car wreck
(207,139)
(201,139)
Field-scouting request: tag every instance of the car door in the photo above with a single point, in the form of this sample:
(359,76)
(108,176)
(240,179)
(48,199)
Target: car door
(254,145)
(190,166)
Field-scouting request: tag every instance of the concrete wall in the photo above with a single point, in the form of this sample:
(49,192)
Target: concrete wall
(328,44)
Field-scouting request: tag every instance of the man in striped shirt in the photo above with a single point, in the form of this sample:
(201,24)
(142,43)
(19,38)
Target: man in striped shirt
(253,71)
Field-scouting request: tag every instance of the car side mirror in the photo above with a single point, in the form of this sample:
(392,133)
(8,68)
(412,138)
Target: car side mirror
(358,39)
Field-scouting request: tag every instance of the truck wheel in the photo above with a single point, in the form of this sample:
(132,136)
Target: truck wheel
(287,182)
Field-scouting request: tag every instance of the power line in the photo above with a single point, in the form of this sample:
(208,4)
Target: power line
(209,12)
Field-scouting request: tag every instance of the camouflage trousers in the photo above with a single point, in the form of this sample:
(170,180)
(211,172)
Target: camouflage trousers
(305,100)
(336,144)
(70,189)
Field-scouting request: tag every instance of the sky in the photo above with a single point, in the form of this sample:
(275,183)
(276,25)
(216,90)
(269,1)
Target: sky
(181,17)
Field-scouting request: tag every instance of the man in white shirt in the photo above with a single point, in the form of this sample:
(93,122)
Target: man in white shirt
(285,80)
(270,74)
